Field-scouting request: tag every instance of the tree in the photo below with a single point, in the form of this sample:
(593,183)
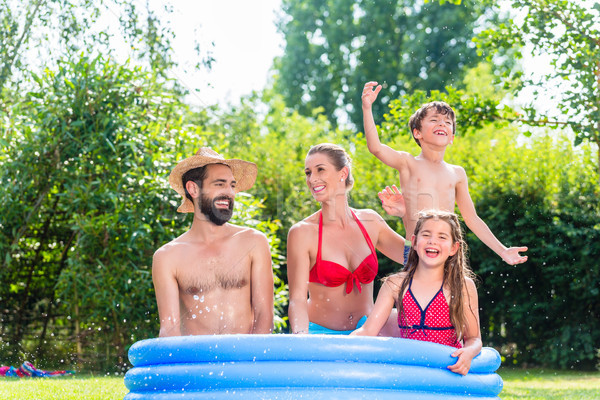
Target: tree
(84,164)
(570,33)
(334,47)
(35,34)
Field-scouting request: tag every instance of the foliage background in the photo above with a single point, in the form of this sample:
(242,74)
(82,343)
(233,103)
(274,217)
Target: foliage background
(87,144)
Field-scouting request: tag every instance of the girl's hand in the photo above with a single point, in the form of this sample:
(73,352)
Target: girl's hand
(462,366)
(392,201)
(369,95)
(358,332)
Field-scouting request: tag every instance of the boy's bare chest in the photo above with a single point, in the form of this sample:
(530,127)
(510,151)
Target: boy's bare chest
(428,187)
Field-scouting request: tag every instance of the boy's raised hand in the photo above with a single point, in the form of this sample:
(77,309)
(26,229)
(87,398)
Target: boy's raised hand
(511,255)
(392,201)
(369,94)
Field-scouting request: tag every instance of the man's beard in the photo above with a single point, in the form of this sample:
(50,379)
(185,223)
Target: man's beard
(217,216)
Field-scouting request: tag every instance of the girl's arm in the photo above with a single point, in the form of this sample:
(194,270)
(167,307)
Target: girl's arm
(472,335)
(298,267)
(381,311)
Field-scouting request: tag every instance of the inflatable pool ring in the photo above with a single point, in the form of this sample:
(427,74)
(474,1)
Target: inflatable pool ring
(304,366)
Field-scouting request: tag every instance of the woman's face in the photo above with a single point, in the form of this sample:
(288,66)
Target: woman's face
(322,178)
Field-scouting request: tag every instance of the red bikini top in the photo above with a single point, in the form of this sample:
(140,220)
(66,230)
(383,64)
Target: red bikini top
(332,274)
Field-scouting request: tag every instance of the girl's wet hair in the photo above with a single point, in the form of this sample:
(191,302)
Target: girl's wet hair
(456,268)
(338,157)
(441,107)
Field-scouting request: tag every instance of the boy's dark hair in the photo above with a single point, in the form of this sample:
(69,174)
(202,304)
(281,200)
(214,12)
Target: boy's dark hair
(195,175)
(440,106)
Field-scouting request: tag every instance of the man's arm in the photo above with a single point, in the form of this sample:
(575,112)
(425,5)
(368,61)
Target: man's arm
(298,267)
(384,153)
(167,294)
(467,210)
(262,285)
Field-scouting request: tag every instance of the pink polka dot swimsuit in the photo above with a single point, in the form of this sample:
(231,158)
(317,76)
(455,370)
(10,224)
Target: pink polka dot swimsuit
(431,324)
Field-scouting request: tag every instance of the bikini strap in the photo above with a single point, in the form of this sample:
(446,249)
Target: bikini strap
(364,232)
(320,236)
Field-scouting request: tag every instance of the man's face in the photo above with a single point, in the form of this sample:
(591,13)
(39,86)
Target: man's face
(217,194)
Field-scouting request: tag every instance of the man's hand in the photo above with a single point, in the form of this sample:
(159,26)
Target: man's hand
(392,201)
(369,94)
(511,255)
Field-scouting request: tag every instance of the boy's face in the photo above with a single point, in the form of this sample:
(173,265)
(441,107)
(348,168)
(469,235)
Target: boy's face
(436,129)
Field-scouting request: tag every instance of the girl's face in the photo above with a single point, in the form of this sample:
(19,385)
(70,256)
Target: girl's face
(322,178)
(434,243)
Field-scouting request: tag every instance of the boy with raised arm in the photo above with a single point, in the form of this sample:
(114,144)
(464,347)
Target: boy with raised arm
(427,181)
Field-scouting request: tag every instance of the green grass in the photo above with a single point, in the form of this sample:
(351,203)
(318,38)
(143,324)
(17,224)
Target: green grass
(539,384)
(64,388)
(533,384)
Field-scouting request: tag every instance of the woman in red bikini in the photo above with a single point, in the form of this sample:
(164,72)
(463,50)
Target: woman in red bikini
(435,295)
(331,254)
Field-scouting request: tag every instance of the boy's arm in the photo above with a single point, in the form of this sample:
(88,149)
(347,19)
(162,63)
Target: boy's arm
(385,154)
(472,334)
(463,199)
(262,285)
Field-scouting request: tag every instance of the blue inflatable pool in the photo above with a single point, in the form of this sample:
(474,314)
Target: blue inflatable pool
(304,367)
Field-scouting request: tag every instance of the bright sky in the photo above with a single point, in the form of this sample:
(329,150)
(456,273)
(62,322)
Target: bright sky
(245,43)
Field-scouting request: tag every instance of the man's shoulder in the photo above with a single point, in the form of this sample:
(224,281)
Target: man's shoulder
(246,233)
(169,248)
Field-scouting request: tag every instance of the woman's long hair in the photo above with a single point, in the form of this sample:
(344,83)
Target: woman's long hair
(456,269)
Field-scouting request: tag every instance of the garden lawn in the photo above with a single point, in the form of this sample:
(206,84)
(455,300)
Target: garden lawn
(76,387)
(539,384)
(533,384)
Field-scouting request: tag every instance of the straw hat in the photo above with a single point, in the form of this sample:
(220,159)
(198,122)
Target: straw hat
(244,173)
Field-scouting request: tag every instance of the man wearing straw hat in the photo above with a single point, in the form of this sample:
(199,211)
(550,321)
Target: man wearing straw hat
(216,278)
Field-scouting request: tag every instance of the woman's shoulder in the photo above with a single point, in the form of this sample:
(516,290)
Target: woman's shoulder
(307,226)
(367,215)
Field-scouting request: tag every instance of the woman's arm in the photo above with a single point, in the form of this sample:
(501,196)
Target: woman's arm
(472,335)
(298,267)
(388,242)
